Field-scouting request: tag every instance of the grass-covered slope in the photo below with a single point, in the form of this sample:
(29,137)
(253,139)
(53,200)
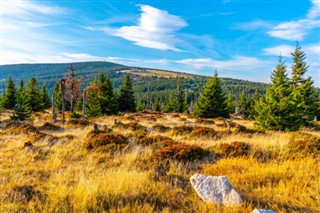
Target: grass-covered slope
(143,164)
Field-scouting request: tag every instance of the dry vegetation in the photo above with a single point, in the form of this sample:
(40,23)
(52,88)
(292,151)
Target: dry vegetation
(144,163)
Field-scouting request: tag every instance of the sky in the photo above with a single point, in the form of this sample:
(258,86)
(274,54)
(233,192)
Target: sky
(240,39)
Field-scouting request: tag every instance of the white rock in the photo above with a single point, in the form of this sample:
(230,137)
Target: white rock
(216,189)
(263,211)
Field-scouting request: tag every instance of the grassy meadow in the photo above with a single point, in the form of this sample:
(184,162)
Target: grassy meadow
(144,162)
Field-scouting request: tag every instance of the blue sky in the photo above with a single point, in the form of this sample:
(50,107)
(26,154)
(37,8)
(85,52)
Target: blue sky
(239,38)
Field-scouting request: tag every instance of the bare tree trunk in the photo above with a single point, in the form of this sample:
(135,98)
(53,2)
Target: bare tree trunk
(62,100)
(84,105)
(54,114)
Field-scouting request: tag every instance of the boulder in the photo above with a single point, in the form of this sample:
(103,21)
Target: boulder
(215,189)
(263,211)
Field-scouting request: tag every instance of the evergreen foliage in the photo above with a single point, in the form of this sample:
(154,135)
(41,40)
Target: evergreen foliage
(230,103)
(181,102)
(243,104)
(277,111)
(127,99)
(57,92)
(212,102)
(22,109)
(46,101)
(305,96)
(107,97)
(34,95)
(94,108)
(156,106)
(8,99)
(252,113)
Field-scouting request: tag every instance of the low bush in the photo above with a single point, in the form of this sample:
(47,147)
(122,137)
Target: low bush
(234,149)
(204,121)
(181,130)
(203,132)
(161,128)
(50,127)
(308,145)
(146,141)
(97,139)
(181,152)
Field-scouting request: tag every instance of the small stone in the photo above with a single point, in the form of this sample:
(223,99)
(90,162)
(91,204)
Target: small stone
(215,189)
(263,211)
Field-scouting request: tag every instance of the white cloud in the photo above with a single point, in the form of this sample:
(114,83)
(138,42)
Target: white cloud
(314,12)
(155,29)
(236,63)
(297,30)
(294,30)
(283,50)
(315,49)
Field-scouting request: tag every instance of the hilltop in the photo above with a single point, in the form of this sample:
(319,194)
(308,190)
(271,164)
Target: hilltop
(159,80)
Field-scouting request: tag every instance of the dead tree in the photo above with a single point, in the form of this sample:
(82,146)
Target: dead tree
(54,114)
(72,87)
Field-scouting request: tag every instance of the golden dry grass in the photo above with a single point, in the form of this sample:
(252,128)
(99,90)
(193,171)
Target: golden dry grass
(65,176)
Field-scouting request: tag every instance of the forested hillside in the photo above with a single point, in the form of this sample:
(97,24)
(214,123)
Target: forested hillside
(161,83)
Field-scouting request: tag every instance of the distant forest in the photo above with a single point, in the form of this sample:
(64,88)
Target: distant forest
(159,87)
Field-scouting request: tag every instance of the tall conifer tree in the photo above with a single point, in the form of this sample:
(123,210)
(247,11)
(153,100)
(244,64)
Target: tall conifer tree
(212,102)
(278,110)
(127,99)
(8,100)
(305,96)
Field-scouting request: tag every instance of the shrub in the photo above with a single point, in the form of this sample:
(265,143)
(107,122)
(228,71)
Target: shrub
(134,126)
(203,132)
(232,124)
(97,139)
(204,121)
(145,141)
(78,122)
(75,115)
(181,152)
(309,147)
(234,149)
(50,127)
(161,128)
(21,194)
(181,130)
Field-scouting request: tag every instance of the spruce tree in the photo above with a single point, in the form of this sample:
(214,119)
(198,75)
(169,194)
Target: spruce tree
(127,99)
(34,95)
(140,106)
(46,101)
(305,96)
(107,96)
(252,113)
(156,105)
(277,110)
(58,101)
(230,103)
(212,102)
(242,104)
(181,102)
(94,105)
(8,100)
(22,110)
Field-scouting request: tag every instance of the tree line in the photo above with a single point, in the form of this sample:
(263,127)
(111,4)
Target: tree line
(288,104)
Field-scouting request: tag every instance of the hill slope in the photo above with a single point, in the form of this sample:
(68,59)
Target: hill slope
(161,82)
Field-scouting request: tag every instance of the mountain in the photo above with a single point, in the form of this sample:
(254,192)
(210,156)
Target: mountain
(161,82)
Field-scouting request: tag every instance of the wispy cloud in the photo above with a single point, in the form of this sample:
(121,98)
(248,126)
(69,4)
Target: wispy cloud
(294,30)
(297,30)
(155,29)
(283,50)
